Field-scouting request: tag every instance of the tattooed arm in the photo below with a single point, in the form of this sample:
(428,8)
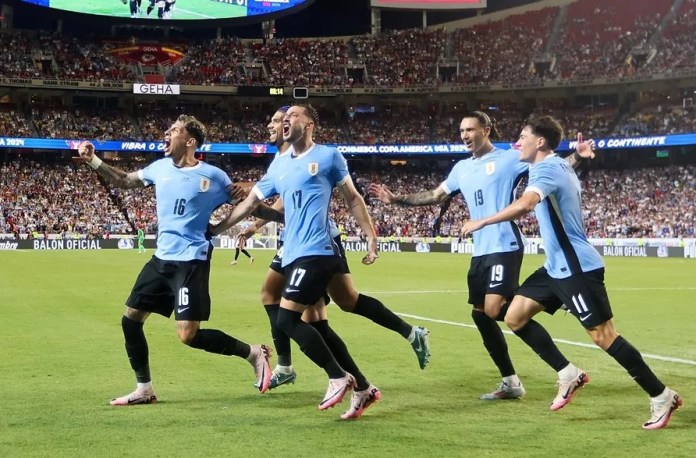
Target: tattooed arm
(434,196)
(113,175)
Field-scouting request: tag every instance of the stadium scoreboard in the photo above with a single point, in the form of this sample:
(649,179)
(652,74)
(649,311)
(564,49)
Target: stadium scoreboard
(197,11)
(272,91)
(429,4)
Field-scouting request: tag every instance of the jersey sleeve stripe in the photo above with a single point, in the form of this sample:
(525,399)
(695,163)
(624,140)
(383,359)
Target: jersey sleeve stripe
(536,190)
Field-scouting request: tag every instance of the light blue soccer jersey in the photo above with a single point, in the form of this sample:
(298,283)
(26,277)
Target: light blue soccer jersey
(333,229)
(186,197)
(488,185)
(559,213)
(305,183)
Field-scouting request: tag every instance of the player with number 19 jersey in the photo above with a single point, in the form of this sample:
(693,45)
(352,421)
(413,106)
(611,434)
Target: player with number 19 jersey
(186,197)
(488,185)
(305,183)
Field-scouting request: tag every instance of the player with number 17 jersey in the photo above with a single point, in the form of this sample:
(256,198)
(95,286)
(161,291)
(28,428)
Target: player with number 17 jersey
(186,197)
(305,183)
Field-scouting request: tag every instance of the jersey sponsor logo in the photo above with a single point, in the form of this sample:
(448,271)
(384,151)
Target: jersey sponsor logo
(205,184)
(313,168)
(490,168)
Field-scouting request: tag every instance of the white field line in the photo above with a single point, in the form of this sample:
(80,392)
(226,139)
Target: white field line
(668,359)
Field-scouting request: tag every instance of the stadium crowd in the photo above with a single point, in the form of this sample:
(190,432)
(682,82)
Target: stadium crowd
(629,38)
(38,198)
(385,124)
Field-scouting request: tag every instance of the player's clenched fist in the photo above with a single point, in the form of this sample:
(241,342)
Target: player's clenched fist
(86,151)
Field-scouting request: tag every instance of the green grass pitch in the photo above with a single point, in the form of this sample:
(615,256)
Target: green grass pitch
(184,9)
(62,360)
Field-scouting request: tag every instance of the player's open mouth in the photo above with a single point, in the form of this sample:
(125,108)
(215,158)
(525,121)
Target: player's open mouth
(167,144)
(286,128)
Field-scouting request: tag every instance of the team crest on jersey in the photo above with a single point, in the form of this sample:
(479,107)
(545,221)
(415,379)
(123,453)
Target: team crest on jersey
(205,184)
(313,168)
(490,168)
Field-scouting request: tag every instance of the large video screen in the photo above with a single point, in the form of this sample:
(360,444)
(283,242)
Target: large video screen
(173,9)
(429,4)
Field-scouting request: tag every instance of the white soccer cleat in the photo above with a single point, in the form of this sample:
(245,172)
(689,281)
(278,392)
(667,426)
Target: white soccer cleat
(135,398)
(233,263)
(262,368)
(504,391)
(568,388)
(338,387)
(662,411)
(361,400)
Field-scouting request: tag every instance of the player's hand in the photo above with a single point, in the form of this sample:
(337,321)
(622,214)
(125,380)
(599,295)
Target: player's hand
(86,151)
(471,226)
(372,254)
(382,193)
(585,149)
(237,193)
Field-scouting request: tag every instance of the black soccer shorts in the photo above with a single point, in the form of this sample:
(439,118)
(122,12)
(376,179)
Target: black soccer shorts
(497,273)
(307,278)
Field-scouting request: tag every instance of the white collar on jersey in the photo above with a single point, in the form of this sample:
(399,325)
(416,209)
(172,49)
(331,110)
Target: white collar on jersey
(291,151)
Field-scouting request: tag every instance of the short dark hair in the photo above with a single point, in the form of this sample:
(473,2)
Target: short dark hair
(194,127)
(546,127)
(311,113)
(485,120)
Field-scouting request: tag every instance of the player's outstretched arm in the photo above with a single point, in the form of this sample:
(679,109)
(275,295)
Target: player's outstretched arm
(358,209)
(433,196)
(113,175)
(241,211)
(517,209)
(583,150)
(268,213)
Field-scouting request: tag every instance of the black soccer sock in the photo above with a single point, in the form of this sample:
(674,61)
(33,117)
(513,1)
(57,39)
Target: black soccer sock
(136,349)
(494,341)
(133,7)
(236,253)
(214,341)
(503,312)
(246,253)
(372,308)
(160,12)
(538,338)
(281,341)
(340,352)
(630,359)
(310,342)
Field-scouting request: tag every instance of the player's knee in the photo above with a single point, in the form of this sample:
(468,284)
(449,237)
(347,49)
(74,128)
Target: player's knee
(269,297)
(135,315)
(603,336)
(186,334)
(345,299)
(515,320)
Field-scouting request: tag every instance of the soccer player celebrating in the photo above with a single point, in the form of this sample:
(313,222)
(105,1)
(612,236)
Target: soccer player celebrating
(176,279)
(573,273)
(304,177)
(341,288)
(487,181)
